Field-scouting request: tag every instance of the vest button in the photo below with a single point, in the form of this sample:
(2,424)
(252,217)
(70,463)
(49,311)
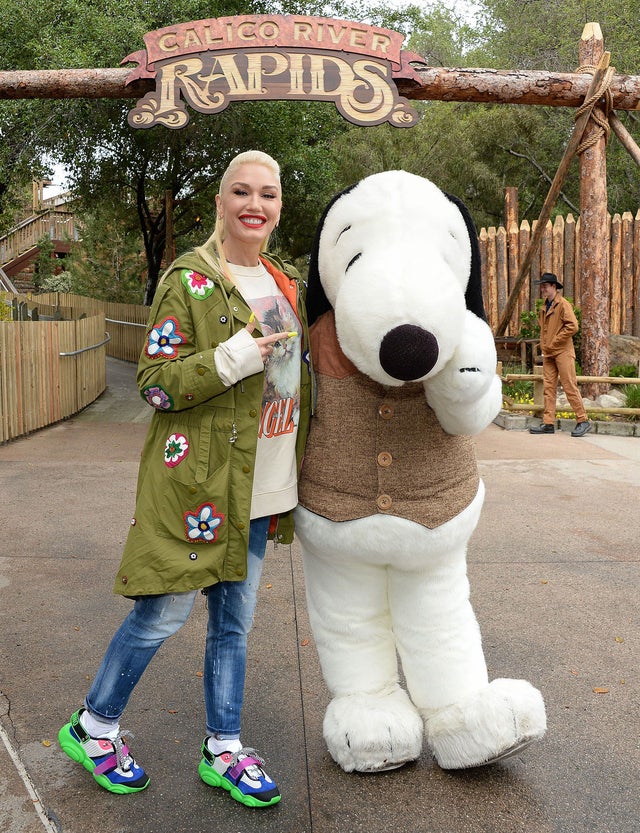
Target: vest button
(384,503)
(384,459)
(386,411)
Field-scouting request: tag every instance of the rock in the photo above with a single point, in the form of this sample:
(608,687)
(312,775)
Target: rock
(624,350)
(608,400)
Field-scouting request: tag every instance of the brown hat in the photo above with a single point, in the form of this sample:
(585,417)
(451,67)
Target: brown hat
(549,277)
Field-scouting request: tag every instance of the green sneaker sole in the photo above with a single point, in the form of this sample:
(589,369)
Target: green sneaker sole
(208,774)
(75,750)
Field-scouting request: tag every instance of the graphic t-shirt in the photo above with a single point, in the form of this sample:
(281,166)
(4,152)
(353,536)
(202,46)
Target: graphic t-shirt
(275,480)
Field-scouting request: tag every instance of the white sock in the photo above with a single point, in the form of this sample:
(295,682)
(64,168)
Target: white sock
(219,746)
(99,728)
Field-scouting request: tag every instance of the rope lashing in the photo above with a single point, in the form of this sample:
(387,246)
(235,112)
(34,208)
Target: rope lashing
(602,122)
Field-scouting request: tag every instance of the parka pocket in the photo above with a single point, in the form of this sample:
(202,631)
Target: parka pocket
(197,511)
(193,500)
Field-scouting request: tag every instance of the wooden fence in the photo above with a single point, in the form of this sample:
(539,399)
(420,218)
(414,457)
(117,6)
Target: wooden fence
(501,251)
(49,370)
(125,323)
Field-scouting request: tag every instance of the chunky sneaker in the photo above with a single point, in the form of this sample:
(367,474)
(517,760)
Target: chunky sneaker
(240,773)
(107,760)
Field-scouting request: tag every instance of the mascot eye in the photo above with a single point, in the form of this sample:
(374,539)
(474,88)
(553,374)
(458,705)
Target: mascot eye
(352,261)
(346,228)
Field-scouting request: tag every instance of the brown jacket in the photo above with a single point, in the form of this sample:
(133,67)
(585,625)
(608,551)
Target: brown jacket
(558,325)
(374,449)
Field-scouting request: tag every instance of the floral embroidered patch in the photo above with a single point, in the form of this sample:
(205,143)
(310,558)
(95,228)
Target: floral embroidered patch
(202,525)
(158,398)
(163,340)
(175,450)
(197,285)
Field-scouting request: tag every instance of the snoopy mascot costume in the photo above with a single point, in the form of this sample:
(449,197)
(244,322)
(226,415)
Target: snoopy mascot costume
(390,493)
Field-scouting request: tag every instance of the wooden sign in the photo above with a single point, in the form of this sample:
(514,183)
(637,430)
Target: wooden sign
(209,63)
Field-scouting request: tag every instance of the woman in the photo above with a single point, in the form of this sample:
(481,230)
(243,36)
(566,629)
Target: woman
(223,367)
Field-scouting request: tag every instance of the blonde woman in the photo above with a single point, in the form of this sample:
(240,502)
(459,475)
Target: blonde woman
(225,366)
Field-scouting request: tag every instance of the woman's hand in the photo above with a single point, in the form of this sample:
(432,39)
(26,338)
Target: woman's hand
(266,343)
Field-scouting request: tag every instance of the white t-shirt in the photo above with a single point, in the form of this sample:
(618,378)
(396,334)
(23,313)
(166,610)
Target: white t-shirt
(275,480)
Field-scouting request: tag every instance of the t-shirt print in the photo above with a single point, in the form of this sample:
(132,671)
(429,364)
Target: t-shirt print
(281,397)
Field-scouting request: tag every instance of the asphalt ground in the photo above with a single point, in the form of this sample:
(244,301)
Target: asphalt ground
(555,585)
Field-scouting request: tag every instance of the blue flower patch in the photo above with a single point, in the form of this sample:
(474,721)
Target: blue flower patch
(164,339)
(202,525)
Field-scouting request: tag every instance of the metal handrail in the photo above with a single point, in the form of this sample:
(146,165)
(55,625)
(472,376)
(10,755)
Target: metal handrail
(130,323)
(85,349)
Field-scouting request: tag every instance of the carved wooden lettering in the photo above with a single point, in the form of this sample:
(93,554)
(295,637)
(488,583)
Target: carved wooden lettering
(207,64)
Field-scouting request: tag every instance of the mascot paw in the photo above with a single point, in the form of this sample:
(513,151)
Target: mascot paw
(373,733)
(492,724)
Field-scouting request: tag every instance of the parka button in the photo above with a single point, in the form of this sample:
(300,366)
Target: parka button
(241,526)
(246,469)
(192,490)
(124,579)
(239,571)
(201,371)
(384,503)
(253,412)
(384,459)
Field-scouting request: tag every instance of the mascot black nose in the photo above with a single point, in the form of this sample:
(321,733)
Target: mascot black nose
(408,352)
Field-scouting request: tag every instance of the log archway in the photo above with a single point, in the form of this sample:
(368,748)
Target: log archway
(595,90)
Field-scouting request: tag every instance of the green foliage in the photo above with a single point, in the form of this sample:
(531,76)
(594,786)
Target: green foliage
(632,398)
(108,262)
(529,326)
(45,263)
(624,371)
(61,282)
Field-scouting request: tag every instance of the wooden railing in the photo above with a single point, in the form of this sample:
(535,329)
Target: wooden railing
(537,406)
(56,225)
(49,370)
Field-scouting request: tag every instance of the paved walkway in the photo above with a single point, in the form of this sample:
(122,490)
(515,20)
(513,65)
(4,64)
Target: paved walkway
(555,584)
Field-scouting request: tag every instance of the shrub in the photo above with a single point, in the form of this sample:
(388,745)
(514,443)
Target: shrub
(519,390)
(632,398)
(629,371)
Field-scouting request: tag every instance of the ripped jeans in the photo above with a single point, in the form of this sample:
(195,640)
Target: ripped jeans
(153,619)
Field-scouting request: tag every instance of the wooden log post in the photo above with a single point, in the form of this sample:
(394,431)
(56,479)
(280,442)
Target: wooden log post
(594,244)
(601,74)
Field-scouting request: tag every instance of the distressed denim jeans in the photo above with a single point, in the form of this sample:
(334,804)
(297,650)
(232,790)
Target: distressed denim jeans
(231,606)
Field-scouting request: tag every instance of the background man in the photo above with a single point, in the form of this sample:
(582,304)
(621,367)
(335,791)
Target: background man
(558,324)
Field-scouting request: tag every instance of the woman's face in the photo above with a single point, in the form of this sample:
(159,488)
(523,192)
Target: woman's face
(250,207)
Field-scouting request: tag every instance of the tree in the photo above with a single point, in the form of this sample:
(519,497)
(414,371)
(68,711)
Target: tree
(105,157)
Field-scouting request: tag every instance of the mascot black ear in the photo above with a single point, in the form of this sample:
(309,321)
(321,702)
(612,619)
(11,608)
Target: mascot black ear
(473,295)
(317,302)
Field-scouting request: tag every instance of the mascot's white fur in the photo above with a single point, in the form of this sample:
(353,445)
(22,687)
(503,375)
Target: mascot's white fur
(390,492)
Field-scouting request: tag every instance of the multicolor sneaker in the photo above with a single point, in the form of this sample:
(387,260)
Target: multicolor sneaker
(240,773)
(107,760)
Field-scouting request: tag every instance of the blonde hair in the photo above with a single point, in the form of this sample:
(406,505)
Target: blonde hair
(212,248)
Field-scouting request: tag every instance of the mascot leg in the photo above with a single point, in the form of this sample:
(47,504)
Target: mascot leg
(468,721)
(370,724)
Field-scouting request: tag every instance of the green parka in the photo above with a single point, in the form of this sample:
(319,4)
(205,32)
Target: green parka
(193,500)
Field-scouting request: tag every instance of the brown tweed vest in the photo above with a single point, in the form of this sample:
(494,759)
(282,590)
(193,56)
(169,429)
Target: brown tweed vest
(376,449)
